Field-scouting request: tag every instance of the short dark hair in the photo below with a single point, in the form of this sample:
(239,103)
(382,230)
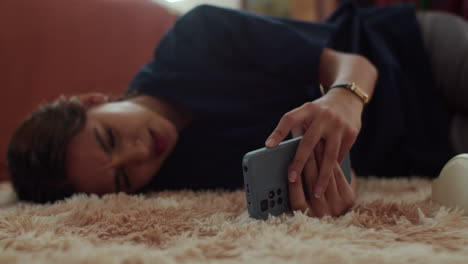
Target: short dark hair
(37,150)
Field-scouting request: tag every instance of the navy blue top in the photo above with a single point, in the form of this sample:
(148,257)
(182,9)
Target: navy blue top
(238,73)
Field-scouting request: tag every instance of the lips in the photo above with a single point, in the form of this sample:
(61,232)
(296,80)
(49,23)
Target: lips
(159,142)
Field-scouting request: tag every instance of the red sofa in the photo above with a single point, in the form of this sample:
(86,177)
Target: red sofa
(53,47)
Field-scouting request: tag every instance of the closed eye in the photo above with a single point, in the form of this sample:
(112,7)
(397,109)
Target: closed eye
(120,174)
(101,142)
(124,174)
(111,137)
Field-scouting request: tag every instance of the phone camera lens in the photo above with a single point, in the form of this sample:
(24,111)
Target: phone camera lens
(271,194)
(280,200)
(278,192)
(272,203)
(246,168)
(264,205)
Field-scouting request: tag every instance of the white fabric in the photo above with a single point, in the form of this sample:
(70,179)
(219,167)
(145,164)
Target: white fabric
(450,189)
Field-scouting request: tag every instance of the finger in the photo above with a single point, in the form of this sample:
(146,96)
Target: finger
(297,198)
(297,132)
(346,143)
(322,205)
(310,176)
(290,120)
(344,188)
(304,150)
(318,207)
(329,156)
(319,148)
(285,125)
(332,194)
(318,151)
(333,197)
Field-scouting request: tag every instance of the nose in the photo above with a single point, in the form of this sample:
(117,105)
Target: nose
(132,153)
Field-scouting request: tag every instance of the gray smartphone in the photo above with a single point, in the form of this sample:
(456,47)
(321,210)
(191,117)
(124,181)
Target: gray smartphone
(266,178)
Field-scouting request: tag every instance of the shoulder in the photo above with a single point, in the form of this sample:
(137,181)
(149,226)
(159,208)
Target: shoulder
(217,14)
(207,11)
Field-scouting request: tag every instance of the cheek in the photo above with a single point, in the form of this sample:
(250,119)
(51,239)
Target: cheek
(136,121)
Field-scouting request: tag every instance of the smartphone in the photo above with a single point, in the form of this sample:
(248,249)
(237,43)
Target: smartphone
(266,178)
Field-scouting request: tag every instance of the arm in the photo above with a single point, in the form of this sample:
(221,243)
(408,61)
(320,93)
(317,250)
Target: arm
(330,124)
(210,42)
(338,67)
(335,118)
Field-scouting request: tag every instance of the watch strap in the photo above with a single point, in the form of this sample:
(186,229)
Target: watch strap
(354,89)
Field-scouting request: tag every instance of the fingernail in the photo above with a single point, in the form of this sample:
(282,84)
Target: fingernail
(270,142)
(317,193)
(292,176)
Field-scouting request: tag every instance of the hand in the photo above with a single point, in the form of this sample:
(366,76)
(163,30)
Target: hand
(334,118)
(339,196)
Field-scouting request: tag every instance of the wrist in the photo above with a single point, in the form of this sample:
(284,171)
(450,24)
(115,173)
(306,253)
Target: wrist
(347,97)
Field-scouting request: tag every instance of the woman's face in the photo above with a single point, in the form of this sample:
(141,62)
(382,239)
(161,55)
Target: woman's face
(121,147)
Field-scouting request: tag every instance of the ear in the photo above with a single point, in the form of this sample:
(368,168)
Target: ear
(93,99)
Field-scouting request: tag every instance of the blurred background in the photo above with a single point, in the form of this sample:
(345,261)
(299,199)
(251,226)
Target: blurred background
(312,10)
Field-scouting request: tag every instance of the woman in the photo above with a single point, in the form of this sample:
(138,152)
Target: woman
(224,82)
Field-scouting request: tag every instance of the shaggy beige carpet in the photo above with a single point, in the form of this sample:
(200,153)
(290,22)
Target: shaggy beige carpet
(394,221)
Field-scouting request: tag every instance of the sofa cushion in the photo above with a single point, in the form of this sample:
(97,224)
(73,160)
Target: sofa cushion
(446,39)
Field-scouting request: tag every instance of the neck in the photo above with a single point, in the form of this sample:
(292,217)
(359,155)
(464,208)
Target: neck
(172,111)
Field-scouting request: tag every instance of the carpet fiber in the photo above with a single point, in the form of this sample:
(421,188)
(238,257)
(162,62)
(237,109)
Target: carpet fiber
(393,221)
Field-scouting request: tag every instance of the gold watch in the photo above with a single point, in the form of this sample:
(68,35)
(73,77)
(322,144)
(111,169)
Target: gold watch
(354,89)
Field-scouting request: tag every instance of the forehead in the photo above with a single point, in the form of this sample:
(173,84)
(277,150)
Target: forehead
(86,161)
(119,107)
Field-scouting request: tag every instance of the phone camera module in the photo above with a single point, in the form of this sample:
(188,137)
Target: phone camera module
(271,194)
(264,205)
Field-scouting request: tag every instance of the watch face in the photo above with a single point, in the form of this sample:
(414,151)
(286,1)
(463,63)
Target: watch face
(364,97)
(322,90)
